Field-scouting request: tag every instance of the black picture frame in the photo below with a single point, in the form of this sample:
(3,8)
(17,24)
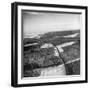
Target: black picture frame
(14,43)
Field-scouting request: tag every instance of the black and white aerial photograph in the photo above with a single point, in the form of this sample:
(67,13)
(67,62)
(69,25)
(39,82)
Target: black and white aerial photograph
(51,44)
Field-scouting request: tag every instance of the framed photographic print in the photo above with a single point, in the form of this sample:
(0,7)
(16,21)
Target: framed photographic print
(49,44)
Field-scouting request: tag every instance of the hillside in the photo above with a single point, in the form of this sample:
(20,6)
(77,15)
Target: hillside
(36,58)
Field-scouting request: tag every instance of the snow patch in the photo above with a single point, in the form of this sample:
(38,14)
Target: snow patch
(73,35)
(47,45)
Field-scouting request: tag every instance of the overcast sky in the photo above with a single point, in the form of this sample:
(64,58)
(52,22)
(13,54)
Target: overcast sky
(39,22)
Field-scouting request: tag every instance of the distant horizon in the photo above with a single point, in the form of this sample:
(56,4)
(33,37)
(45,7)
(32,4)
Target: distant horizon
(37,33)
(34,22)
